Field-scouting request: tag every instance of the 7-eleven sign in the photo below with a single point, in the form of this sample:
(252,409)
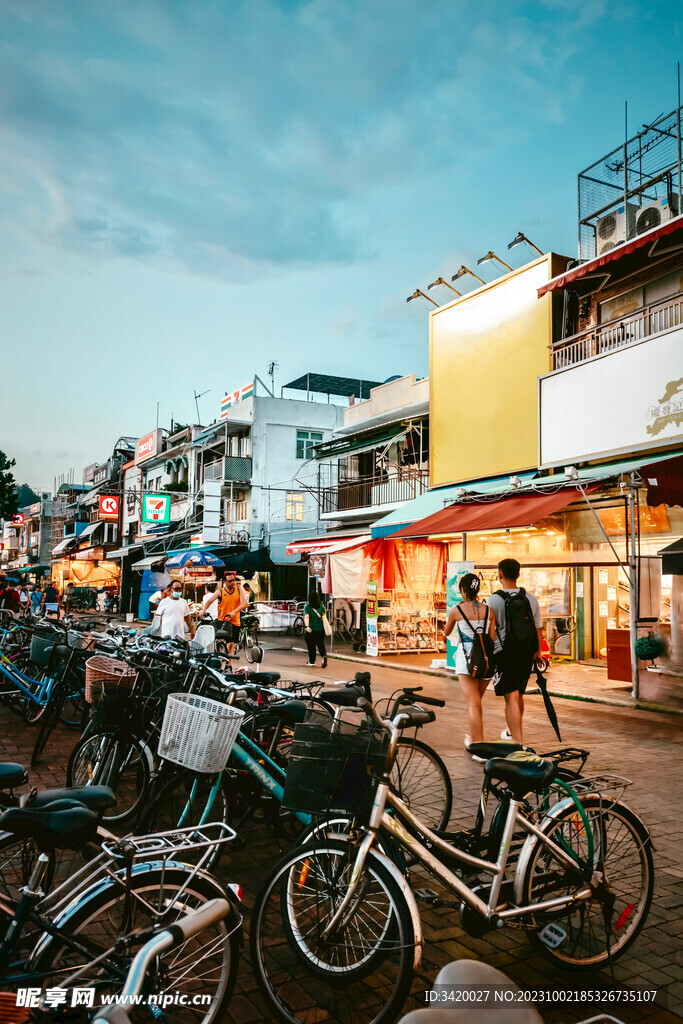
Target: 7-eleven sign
(156,508)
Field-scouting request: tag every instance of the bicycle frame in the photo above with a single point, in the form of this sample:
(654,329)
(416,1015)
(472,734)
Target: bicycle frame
(17,677)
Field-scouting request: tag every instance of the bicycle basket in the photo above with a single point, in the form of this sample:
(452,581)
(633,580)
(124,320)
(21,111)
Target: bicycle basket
(198,732)
(10,1013)
(334,766)
(100,669)
(42,642)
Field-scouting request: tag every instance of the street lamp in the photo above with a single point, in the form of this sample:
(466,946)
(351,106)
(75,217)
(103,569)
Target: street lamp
(465,270)
(521,237)
(439,281)
(492,256)
(417,294)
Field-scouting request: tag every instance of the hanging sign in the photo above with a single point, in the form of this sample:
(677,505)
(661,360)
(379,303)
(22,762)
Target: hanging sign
(372,645)
(18,519)
(156,508)
(109,506)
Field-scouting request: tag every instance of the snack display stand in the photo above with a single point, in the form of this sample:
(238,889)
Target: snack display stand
(410,623)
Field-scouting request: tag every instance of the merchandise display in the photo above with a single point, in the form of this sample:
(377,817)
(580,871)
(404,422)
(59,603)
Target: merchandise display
(410,622)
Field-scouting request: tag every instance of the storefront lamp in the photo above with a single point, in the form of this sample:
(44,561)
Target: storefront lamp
(439,281)
(521,237)
(492,256)
(465,270)
(515,481)
(571,472)
(417,294)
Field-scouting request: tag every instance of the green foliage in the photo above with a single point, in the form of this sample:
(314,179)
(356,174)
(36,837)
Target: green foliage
(179,485)
(8,488)
(26,495)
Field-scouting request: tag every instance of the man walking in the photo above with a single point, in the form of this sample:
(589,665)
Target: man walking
(232,603)
(519,637)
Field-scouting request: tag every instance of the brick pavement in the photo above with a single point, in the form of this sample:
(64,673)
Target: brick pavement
(642,745)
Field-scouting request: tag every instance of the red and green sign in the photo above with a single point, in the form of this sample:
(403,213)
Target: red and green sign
(156,508)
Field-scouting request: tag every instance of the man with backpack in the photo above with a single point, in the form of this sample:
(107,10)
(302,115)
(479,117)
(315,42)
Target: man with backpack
(519,637)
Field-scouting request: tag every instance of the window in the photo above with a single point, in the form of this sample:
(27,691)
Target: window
(305,439)
(295,507)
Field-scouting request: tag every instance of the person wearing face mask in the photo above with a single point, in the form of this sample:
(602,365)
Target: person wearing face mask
(174,613)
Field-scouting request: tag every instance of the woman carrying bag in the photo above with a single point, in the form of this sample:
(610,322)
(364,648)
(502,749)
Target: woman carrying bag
(314,621)
(474,661)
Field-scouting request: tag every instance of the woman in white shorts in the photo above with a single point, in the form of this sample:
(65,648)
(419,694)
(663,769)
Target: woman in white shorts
(479,618)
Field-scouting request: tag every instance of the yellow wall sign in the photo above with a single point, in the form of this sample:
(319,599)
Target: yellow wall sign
(487,351)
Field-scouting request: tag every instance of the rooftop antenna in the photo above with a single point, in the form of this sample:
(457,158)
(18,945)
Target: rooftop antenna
(272,367)
(197,396)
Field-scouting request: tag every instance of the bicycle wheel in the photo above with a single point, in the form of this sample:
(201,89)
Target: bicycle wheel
(48,720)
(422,781)
(584,936)
(298,627)
(103,759)
(363,973)
(188,799)
(204,966)
(17,860)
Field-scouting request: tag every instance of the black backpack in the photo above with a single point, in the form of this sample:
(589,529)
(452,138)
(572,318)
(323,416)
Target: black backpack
(520,629)
(480,663)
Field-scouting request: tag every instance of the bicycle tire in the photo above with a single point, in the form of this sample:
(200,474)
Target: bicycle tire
(48,720)
(569,827)
(283,948)
(156,887)
(427,791)
(96,760)
(17,859)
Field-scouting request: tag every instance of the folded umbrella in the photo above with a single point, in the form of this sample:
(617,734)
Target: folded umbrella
(543,687)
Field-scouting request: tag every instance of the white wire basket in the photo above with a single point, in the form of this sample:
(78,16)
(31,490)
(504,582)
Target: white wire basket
(198,733)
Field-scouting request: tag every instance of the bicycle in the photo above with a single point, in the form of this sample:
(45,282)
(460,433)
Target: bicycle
(339,916)
(247,640)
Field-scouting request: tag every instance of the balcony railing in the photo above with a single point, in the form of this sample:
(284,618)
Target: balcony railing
(368,491)
(232,468)
(643,323)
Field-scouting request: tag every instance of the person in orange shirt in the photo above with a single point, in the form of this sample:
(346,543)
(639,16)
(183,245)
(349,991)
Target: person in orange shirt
(232,602)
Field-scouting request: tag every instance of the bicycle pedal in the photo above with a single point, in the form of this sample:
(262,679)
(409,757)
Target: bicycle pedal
(552,935)
(428,895)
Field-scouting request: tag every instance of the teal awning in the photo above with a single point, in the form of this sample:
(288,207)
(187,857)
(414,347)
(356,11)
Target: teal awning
(340,447)
(32,568)
(435,500)
(609,469)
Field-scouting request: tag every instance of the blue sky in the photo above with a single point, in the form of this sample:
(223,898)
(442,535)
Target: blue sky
(191,189)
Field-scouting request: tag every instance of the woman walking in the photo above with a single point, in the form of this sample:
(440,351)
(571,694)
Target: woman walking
(471,617)
(315,631)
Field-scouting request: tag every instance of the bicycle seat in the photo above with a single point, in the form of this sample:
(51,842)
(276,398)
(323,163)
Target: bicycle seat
(522,772)
(495,748)
(65,825)
(291,712)
(343,696)
(95,798)
(264,678)
(12,775)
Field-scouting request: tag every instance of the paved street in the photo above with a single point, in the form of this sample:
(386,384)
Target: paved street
(642,745)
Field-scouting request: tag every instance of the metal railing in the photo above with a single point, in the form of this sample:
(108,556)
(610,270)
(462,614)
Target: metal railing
(235,468)
(615,334)
(368,491)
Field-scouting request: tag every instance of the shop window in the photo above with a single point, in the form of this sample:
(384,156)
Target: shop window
(295,507)
(305,439)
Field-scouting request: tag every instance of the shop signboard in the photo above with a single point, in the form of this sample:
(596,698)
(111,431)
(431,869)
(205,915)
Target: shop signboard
(233,397)
(102,473)
(199,572)
(454,573)
(196,540)
(156,508)
(109,506)
(147,446)
(18,519)
(317,564)
(371,608)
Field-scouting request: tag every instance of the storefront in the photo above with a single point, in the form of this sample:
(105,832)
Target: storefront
(93,575)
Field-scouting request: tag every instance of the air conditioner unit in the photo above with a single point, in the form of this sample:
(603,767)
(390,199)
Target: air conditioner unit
(615,228)
(45,496)
(656,213)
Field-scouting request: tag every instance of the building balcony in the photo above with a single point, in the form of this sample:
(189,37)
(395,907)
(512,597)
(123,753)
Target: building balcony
(367,492)
(230,469)
(615,334)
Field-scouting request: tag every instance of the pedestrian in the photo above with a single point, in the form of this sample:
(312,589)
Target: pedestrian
(50,602)
(232,603)
(36,599)
(246,587)
(174,613)
(315,630)
(157,597)
(210,601)
(474,660)
(519,639)
(23,597)
(10,600)
(67,597)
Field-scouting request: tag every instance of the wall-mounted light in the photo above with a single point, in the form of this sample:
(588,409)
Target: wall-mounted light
(439,281)
(465,270)
(492,256)
(515,481)
(571,472)
(521,237)
(417,294)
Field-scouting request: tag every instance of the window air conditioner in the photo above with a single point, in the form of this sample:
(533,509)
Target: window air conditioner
(656,213)
(615,228)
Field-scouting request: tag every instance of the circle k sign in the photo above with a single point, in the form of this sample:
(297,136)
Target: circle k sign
(109,506)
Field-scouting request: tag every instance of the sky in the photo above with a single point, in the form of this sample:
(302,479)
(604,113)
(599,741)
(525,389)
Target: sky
(190,189)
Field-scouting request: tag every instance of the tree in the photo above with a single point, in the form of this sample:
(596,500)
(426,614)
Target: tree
(8,488)
(26,496)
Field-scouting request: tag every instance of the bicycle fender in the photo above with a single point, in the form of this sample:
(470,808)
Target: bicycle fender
(531,841)
(410,900)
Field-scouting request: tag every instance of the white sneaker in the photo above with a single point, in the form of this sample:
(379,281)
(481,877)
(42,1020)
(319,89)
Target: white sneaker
(310,664)
(506,734)
(468,740)
(475,757)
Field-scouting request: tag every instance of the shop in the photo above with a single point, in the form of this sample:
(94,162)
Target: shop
(96,579)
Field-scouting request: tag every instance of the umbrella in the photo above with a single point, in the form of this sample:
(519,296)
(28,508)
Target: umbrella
(543,687)
(192,559)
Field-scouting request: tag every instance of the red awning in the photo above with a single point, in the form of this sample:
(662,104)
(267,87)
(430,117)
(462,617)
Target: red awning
(326,545)
(593,268)
(505,513)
